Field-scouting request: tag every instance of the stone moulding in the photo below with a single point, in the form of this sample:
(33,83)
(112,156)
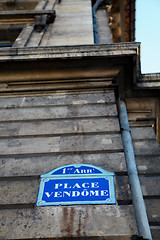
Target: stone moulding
(100,50)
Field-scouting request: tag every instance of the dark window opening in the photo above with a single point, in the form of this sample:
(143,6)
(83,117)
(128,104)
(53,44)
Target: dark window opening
(8,36)
(11,28)
(16,5)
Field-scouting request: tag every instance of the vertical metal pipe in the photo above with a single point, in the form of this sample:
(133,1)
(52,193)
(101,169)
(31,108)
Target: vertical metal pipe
(95,31)
(137,198)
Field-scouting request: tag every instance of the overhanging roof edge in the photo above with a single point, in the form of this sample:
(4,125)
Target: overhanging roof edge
(69,51)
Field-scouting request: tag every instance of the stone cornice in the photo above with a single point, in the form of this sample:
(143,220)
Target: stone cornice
(117,49)
(115,54)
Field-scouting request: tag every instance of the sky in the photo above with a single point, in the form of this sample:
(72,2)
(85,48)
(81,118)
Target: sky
(148,33)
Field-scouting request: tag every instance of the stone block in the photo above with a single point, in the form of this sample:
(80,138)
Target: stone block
(109,222)
(41,164)
(63,144)
(58,112)
(60,127)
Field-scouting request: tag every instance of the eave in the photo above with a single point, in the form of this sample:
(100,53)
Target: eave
(18,62)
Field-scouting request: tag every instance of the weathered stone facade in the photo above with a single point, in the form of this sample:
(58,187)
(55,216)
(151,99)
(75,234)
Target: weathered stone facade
(59,105)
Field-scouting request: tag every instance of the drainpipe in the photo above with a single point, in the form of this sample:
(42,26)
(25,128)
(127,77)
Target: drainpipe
(137,198)
(95,31)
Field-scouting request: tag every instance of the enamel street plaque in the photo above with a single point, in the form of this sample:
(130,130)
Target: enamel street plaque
(76,184)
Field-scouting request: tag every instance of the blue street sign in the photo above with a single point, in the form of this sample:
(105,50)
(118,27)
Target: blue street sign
(76,184)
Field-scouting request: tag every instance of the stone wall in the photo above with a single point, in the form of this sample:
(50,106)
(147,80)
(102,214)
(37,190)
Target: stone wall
(144,121)
(41,133)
